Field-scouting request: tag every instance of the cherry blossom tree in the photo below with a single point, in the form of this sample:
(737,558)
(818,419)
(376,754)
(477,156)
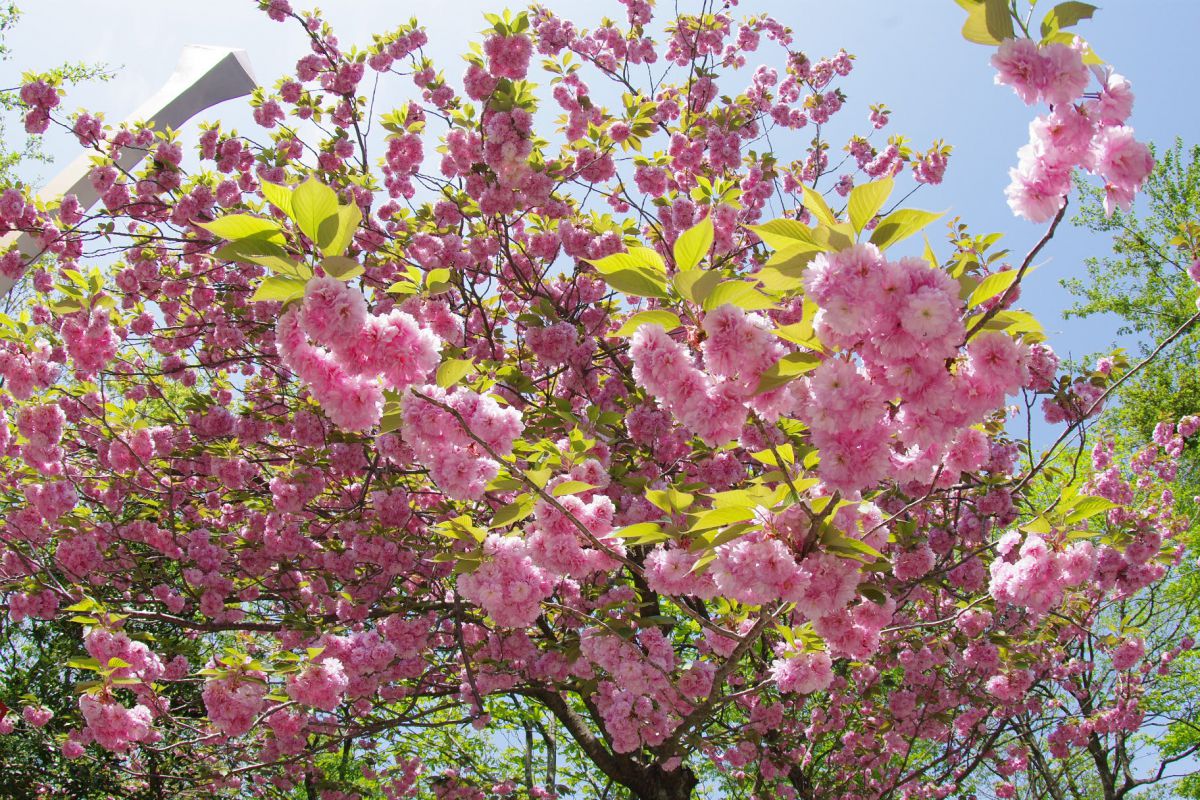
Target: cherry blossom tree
(371,427)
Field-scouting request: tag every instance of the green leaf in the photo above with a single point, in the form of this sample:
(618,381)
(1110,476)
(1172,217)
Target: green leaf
(693,245)
(570,487)
(67,306)
(697,284)
(786,369)
(514,512)
(899,225)
(639,282)
(992,286)
(815,203)
(988,22)
(265,254)
(637,258)
(279,196)
(866,200)
(719,517)
(851,547)
(345,224)
(638,529)
(738,293)
(780,234)
(1086,507)
(342,268)
(1064,15)
(313,203)
(998,19)
(279,288)
(795,257)
(666,319)
(670,500)
(437,281)
(236,227)
(453,371)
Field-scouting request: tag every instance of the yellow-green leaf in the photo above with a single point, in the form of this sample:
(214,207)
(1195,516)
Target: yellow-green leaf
(693,244)
(815,203)
(514,512)
(278,196)
(1064,15)
(279,288)
(666,319)
(866,200)
(788,368)
(639,282)
(235,227)
(453,371)
(313,203)
(697,284)
(899,225)
(738,293)
(992,286)
(637,258)
(719,517)
(783,233)
(342,268)
(345,225)
(265,254)
(570,487)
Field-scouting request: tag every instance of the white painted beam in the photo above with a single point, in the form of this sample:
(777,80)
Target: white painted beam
(204,77)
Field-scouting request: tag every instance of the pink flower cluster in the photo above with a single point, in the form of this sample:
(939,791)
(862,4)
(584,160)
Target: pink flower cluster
(321,685)
(113,726)
(357,354)
(1090,134)
(557,545)
(41,98)
(803,673)
(42,427)
(457,463)
(508,56)
(710,402)
(110,648)
(1035,576)
(233,703)
(508,585)
(903,321)
(638,703)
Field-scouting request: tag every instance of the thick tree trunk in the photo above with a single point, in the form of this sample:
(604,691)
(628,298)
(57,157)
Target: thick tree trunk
(646,781)
(655,783)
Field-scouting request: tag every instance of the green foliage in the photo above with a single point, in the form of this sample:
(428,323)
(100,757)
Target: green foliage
(1144,284)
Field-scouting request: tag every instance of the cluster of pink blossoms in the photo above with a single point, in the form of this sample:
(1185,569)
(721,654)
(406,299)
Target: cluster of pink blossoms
(1090,134)
(711,402)
(113,726)
(508,56)
(803,673)
(42,427)
(456,462)
(234,703)
(41,98)
(903,321)
(508,585)
(321,685)
(557,543)
(1035,576)
(357,355)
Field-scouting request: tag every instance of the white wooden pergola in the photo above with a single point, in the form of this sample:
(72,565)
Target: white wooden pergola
(204,77)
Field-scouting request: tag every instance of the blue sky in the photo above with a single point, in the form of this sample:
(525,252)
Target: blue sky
(910,56)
